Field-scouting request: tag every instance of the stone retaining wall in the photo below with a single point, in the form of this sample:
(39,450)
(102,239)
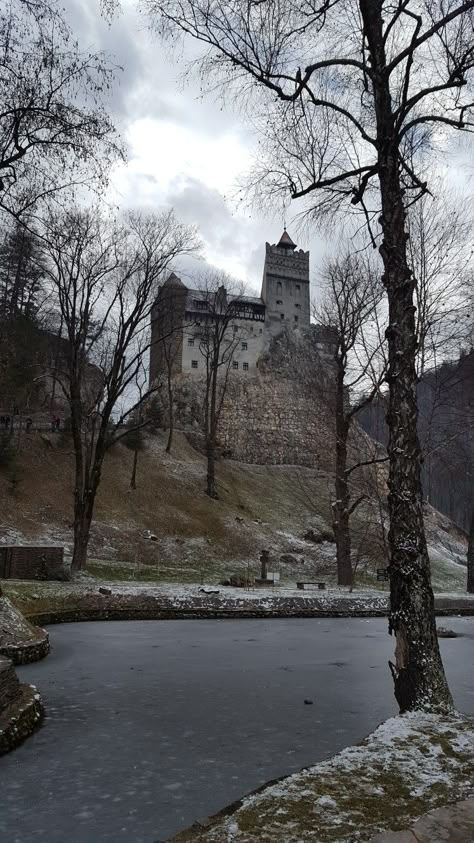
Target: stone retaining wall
(20,718)
(20,708)
(9,684)
(269,420)
(27,651)
(147,607)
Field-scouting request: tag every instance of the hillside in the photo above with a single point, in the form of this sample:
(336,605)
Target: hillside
(196,537)
(446,429)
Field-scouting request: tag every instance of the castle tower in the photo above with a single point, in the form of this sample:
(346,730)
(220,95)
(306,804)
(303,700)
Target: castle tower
(167,321)
(285,286)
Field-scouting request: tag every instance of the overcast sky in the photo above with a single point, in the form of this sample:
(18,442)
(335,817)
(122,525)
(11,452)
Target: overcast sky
(184,150)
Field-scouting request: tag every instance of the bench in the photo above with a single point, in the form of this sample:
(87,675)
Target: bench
(320,585)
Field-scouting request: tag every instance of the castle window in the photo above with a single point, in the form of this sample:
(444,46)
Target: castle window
(296,319)
(279,301)
(244,346)
(298,305)
(235,364)
(260,331)
(194,364)
(190,341)
(278,288)
(282,316)
(236,328)
(297,288)
(245,367)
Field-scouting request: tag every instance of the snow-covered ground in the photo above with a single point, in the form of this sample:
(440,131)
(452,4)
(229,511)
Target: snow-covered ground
(14,629)
(409,765)
(84,596)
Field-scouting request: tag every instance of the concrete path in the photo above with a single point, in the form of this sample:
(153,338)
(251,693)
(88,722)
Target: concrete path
(453,824)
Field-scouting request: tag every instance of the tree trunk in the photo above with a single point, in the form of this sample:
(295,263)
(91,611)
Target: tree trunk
(88,472)
(82,528)
(133,478)
(341,505)
(211,439)
(418,673)
(170,412)
(211,469)
(470,557)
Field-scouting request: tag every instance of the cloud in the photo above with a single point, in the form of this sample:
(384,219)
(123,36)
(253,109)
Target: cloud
(119,42)
(185,151)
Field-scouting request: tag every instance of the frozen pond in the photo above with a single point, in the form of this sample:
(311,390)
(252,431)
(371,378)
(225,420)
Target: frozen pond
(153,724)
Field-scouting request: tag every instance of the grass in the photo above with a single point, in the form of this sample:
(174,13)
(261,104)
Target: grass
(260,506)
(447,575)
(206,571)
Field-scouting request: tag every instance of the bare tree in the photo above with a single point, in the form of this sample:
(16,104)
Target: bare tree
(440,254)
(135,442)
(351,296)
(169,324)
(170,353)
(21,274)
(441,250)
(54,130)
(469,287)
(364,93)
(470,557)
(219,335)
(105,276)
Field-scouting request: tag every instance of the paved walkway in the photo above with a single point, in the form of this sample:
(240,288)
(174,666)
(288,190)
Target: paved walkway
(453,824)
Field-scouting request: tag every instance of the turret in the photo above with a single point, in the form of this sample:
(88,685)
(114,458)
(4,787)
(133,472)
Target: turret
(285,286)
(167,320)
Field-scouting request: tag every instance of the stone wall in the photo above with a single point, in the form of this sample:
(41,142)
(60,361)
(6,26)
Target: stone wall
(9,684)
(270,420)
(281,416)
(32,563)
(27,651)
(20,716)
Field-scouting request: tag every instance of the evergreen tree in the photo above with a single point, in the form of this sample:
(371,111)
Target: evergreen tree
(21,274)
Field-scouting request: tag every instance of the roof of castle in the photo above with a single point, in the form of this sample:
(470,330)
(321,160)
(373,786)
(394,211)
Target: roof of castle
(174,281)
(286,241)
(204,295)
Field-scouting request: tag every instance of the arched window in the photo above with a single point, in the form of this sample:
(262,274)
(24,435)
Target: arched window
(278,288)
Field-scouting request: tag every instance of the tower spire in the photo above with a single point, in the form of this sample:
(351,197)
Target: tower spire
(286,242)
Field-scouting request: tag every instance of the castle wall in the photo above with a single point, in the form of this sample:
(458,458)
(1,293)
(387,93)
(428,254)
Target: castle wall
(280,415)
(249,344)
(269,420)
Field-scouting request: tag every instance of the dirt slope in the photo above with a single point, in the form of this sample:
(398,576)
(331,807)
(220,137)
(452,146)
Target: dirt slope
(259,507)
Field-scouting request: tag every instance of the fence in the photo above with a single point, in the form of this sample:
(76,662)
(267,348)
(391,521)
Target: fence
(32,563)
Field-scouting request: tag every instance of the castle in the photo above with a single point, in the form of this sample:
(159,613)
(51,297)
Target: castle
(284,303)
(274,410)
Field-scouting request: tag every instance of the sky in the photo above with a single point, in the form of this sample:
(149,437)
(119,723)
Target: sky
(188,151)
(184,150)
